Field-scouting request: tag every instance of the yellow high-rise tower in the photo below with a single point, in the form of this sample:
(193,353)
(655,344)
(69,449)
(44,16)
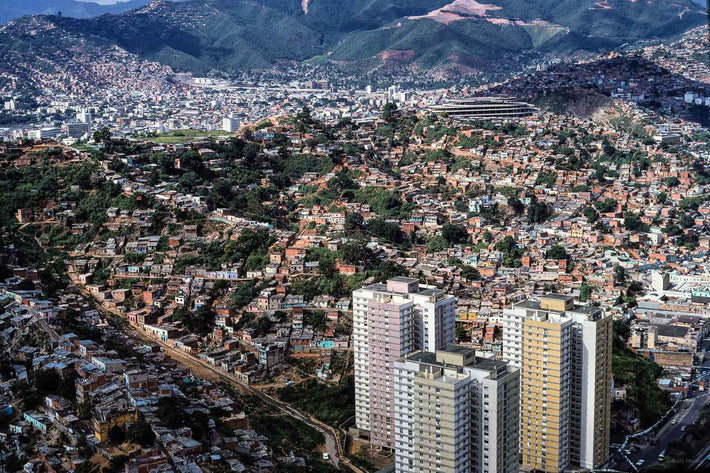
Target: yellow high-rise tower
(563,351)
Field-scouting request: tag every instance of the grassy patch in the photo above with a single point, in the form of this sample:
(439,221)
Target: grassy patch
(328,403)
(287,433)
(185,136)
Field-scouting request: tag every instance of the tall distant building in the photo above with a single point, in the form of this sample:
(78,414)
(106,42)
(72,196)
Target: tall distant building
(455,413)
(389,321)
(230,124)
(563,351)
(84,117)
(76,129)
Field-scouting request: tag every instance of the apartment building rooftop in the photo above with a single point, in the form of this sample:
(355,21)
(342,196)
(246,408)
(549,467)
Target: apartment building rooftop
(456,356)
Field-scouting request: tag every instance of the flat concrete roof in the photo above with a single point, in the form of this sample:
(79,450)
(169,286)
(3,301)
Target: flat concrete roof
(403,279)
(557,297)
(458,349)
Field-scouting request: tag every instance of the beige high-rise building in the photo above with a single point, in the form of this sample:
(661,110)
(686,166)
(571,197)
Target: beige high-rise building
(455,413)
(563,351)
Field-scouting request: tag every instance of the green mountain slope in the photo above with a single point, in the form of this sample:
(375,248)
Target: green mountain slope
(231,35)
(10,9)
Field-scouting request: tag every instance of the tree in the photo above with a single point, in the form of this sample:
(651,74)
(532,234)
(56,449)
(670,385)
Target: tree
(622,329)
(386,230)
(353,221)
(85,410)
(606,205)
(116,463)
(389,269)
(170,412)
(436,245)
(585,292)
(633,223)
(141,432)
(362,458)
(511,253)
(455,234)
(103,136)
(470,273)
(506,244)
(461,332)
(557,252)
(116,435)
(261,326)
(243,294)
(671,181)
(341,182)
(199,321)
(591,214)
(336,156)
(304,116)
(619,274)
(389,112)
(29,397)
(355,251)
(537,211)
(547,179)
(26,285)
(516,204)
(686,220)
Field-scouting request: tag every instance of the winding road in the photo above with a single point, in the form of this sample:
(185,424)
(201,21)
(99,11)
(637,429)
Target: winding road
(204,369)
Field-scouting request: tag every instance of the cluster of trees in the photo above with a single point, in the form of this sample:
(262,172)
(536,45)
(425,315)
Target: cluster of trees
(198,321)
(546,179)
(557,252)
(633,223)
(139,432)
(386,204)
(355,252)
(389,231)
(251,247)
(511,252)
(32,392)
(172,414)
(638,374)
(455,234)
(331,404)
(538,211)
(451,234)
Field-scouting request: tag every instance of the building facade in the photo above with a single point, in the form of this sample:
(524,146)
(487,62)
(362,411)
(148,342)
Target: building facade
(389,321)
(563,351)
(230,124)
(455,413)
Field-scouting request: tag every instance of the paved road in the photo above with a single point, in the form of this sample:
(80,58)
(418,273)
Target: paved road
(670,432)
(192,362)
(702,459)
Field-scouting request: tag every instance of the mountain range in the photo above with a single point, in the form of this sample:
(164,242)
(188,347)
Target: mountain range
(232,35)
(10,9)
